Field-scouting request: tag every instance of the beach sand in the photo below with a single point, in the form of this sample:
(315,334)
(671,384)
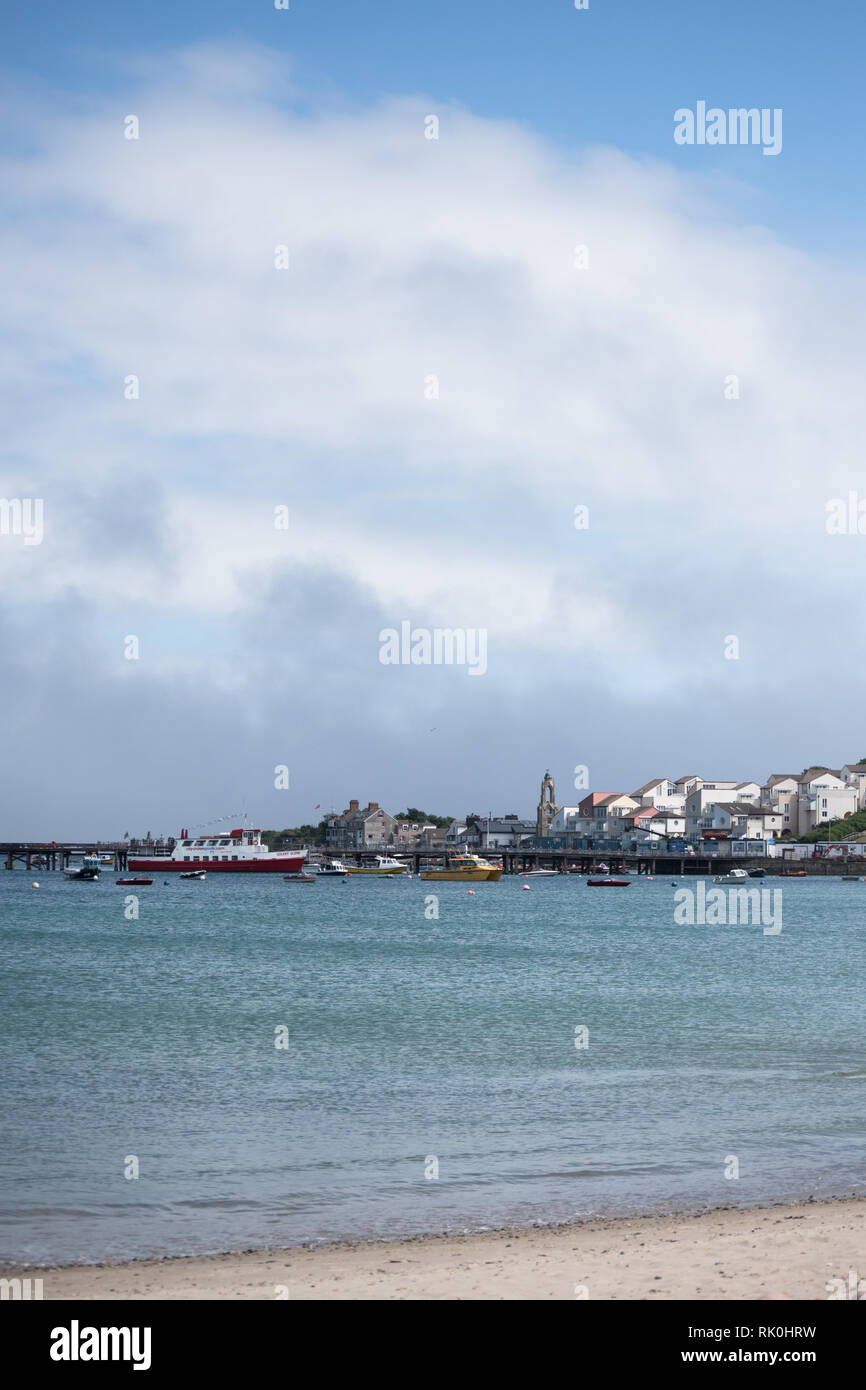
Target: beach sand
(731,1253)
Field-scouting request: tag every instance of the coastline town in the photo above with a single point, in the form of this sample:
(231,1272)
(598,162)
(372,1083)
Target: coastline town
(816,815)
(687,814)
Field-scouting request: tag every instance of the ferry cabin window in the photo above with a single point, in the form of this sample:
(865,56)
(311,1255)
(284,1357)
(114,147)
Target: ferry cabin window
(234,856)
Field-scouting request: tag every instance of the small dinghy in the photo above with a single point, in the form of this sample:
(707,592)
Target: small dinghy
(299,878)
(608,883)
(134,882)
(200,874)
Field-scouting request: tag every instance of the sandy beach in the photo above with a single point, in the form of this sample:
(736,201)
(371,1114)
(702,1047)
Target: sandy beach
(792,1250)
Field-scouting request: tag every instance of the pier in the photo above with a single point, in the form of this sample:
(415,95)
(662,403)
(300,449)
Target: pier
(54,855)
(655,863)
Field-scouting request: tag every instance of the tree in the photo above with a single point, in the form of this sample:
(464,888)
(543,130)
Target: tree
(424,817)
(314,834)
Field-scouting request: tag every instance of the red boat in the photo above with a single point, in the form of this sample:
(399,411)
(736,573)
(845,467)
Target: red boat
(135,882)
(241,852)
(608,882)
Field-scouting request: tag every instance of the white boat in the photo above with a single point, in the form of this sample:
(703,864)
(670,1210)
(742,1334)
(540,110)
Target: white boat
(385,867)
(735,876)
(540,873)
(239,852)
(85,872)
(331,868)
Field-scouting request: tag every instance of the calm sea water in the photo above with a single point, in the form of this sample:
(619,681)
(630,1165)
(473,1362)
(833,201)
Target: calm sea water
(411,1039)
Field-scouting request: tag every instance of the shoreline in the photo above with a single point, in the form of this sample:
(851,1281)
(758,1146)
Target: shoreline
(791,1249)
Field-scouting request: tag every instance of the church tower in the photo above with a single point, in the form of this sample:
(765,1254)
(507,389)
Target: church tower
(547,807)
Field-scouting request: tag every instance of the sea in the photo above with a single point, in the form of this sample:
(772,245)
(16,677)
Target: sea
(239,1063)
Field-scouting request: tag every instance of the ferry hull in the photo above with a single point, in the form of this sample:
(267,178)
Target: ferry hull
(272,864)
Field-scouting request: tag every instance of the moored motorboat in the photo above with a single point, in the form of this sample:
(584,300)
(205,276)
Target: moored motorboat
(735,876)
(608,883)
(199,874)
(134,882)
(384,867)
(464,868)
(299,878)
(540,873)
(331,868)
(85,872)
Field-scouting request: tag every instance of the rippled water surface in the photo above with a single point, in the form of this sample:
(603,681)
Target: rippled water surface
(412,1042)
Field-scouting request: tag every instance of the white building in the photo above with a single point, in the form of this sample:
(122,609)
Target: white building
(854,775)
(824,796)
(739,820)
(660,792)
(781,791)
(703,794)
(565,821)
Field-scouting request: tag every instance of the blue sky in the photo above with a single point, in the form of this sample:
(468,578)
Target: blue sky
(602,386)
(613,74)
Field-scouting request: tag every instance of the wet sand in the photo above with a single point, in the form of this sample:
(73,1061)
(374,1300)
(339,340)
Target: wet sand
(732,1253)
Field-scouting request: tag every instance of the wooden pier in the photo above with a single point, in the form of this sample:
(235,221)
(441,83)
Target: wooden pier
(53,856)
(656,863)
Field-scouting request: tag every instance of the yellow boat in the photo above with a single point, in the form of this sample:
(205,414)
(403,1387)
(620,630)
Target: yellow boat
(468,868)
(384,867)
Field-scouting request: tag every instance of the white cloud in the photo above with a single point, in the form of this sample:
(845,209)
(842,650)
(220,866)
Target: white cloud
(412,257)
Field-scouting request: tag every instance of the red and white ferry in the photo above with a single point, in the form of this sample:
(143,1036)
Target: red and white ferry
(240,852)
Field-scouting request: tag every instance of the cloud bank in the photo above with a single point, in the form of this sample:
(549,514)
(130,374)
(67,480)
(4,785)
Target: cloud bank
(474,335)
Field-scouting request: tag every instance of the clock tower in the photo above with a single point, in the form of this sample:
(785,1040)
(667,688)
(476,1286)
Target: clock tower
(547,807)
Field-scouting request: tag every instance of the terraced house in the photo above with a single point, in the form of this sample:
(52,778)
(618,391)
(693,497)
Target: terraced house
(370,828)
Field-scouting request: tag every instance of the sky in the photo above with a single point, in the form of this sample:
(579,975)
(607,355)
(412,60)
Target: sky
(283,373)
